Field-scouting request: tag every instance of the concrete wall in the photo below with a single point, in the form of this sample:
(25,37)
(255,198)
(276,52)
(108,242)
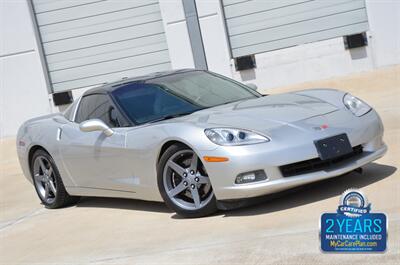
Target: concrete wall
(23,91)
(312,61)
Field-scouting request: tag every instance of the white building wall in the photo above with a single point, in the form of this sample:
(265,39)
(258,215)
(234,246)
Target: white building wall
(23,91)
(313,61)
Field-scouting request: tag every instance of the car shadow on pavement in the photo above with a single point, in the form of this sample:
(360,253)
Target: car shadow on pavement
(124,204)
(314,192)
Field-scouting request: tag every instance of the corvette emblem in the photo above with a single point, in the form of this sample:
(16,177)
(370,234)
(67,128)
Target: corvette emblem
(320,128)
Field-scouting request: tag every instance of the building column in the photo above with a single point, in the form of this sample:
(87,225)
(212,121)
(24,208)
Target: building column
(176,31)
(384,23)
(213,31)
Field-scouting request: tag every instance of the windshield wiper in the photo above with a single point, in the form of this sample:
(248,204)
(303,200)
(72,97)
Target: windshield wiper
(167,117)
(233,101)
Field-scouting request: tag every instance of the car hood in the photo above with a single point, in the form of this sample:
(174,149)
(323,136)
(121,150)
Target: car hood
(263,113)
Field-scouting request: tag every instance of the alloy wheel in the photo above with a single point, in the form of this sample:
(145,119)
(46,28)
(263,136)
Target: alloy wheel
(186,181)
(44,179)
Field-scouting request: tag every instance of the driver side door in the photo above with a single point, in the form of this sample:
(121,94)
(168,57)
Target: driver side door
(92,159)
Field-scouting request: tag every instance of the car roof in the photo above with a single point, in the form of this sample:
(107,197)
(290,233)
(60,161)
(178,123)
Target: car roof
(109,87)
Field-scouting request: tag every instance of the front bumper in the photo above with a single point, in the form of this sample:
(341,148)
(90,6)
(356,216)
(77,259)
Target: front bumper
(280,184)
(288,146)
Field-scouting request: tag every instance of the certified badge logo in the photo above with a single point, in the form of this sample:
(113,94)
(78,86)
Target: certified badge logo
(353,228)
(353,203)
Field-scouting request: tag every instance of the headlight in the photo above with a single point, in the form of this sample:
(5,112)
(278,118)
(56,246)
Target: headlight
(356,105)
(231,136)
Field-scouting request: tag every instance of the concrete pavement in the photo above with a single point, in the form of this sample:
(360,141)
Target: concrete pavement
(283,230)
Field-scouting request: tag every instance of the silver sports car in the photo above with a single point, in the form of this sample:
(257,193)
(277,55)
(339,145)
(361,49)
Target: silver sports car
(195,140)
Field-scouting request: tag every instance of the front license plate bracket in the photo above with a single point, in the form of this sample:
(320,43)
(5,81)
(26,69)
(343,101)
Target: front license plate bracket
(334,146)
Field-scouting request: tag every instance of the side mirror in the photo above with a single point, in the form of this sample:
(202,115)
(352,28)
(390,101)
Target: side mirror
(252,86)
(95,125)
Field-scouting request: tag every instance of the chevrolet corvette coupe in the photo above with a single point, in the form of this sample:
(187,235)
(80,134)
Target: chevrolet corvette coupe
(196,140)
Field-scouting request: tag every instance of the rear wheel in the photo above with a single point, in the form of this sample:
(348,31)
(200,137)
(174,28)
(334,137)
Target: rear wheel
(48,183)
(184,183)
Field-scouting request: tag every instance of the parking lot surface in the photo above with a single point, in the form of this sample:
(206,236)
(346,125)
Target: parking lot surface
(278,231)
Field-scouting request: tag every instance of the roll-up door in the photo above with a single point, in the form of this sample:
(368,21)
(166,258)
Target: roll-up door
(258,26)
(91,42)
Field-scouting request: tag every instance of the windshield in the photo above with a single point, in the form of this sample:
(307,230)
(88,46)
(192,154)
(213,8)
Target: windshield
(177,94)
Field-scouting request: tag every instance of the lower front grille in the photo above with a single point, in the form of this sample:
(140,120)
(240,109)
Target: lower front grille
(316,164)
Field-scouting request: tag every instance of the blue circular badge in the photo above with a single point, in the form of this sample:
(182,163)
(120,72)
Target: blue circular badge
(353,203)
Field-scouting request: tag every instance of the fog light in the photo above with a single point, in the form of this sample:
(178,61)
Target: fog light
(249,177)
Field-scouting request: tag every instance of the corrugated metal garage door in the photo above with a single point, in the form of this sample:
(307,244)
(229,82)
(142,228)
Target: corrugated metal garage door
(90,42)
(263,25)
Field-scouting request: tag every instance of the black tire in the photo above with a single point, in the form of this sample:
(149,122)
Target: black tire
(208,209)
(61,198)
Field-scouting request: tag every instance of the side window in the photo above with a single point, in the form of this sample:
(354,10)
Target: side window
(97,106)
(69,112)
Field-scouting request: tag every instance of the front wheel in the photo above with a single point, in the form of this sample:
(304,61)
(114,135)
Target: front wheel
(184,183)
